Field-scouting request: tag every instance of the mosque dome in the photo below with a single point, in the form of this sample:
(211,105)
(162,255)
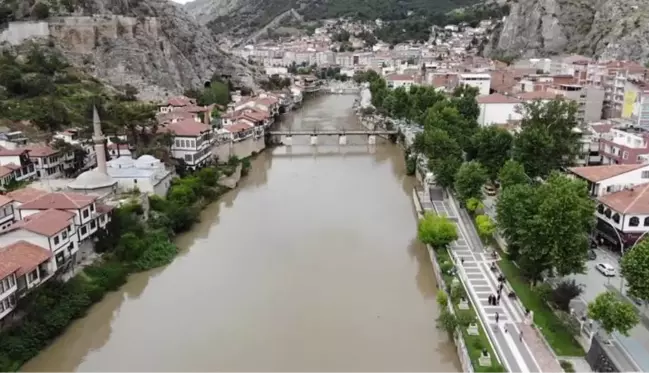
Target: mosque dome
(122,162)
(147,161)
(92,179)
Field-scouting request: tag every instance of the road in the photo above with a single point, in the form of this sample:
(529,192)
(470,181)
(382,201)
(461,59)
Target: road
(636,345)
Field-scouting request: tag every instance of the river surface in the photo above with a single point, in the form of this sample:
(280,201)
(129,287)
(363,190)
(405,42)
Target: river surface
(312,264)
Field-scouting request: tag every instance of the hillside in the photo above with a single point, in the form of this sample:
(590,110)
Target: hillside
(601,28)
(152,45)
(243,17)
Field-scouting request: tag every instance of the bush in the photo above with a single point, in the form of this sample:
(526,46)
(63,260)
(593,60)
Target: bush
(442,299)
(544,292)
(564,292)
(245,166)
(411,166)
(41,11)
(567,366)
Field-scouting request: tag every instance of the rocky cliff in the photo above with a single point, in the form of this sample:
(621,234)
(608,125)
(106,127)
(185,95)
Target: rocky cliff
(151,44)
(601,28)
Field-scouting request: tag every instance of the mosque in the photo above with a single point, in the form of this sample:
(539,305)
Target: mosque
(146,173)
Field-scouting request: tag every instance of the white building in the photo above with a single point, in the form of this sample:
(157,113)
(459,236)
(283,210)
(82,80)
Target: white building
(148,174)
(480,81)
(498,109)
(191,143)
(400,80)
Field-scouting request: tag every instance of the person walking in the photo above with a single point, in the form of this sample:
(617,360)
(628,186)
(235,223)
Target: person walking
(497,317)
(489,300)
(498,299)
(520,336)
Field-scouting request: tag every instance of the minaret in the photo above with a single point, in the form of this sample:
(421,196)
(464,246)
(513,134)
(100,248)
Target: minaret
(100,142)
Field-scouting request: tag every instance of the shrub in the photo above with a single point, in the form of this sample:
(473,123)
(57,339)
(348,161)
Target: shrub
(464,319)
(448,322)
(564,292)
(442,299)
(567,366)
(41,11)
(245,166)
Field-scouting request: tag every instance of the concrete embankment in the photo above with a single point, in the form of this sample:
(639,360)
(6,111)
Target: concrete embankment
(240,149)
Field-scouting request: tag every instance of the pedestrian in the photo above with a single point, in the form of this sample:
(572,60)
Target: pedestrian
(501,287)
(498,299)
(462,261)
(491,298)
(505,328)
(497,317)
(520,336)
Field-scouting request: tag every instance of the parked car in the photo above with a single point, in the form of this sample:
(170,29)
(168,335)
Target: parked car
(605,269)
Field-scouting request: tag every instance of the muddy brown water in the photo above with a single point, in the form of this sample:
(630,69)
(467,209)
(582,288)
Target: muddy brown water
(312,264)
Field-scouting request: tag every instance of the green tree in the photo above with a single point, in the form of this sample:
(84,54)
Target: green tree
(512,173)
(437,144)
(448,322)
(469,181)
(635,269)
(464,99)
(474,204)
(41,10)
(442,299)
(548,139)
(491,146)
(216,93)
(436,231)
(446,117)
(445,170)
(516,204)
(486,226)
(613,314)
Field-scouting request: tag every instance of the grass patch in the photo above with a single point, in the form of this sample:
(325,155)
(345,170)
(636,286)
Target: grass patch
(556,333)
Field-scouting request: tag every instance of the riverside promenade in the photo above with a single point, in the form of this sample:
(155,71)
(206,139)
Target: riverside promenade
(525,352)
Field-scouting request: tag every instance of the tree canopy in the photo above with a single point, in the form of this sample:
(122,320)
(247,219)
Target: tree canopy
(547,226)
(512,173)
(491,146)
(436,231)
(548,139)
(635,269)
(469,181)
(613,314)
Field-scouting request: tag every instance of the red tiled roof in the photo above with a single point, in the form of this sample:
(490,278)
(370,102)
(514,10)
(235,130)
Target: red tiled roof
(26,194)
(537,95)
(238,126)
(7,268)
(40,150)
(9,152)
(61,201)
(400,77)
(5,200)
(497,98)
(180,101)
(598,173)
(47,223)
(631,201)
(13,166)
(268,101)
(4,171)
(187,127)
(601,128)
(24,255)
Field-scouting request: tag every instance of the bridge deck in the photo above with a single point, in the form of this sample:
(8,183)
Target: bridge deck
(331,133)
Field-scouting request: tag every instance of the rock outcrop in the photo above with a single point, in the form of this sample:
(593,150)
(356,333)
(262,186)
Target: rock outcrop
(152,45)
(608,29)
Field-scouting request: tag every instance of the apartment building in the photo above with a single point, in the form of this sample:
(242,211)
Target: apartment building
(589,99)
(480,81)
(624,145)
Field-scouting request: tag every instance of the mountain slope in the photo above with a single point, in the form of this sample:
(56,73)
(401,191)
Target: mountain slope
(601,28)
(150,44)
(242,17)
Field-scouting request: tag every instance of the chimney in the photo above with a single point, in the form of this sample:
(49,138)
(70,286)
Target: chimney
(100,142)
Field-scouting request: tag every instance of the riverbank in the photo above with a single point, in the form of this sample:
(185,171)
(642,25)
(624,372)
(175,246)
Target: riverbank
(138,238)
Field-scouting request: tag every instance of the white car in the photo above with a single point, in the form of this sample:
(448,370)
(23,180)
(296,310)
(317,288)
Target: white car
(605,269)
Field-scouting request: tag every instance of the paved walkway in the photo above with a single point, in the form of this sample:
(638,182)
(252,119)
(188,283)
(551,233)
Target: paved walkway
(524,352)
(529,354)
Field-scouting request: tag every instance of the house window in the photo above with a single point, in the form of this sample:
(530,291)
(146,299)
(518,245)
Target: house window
(646,221)
(188,158)
(93,225)
(85,213)
(625,155)
(607,213)
(64,235)
(12,282)
(56,240)
(600,209)
(32,276)
(92,207)
(84,230)
(616,218)
(645,174)
(193,144)
(177,143)
(3,288)
(634,221)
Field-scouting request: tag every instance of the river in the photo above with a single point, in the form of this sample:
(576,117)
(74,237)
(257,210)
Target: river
(312,264)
